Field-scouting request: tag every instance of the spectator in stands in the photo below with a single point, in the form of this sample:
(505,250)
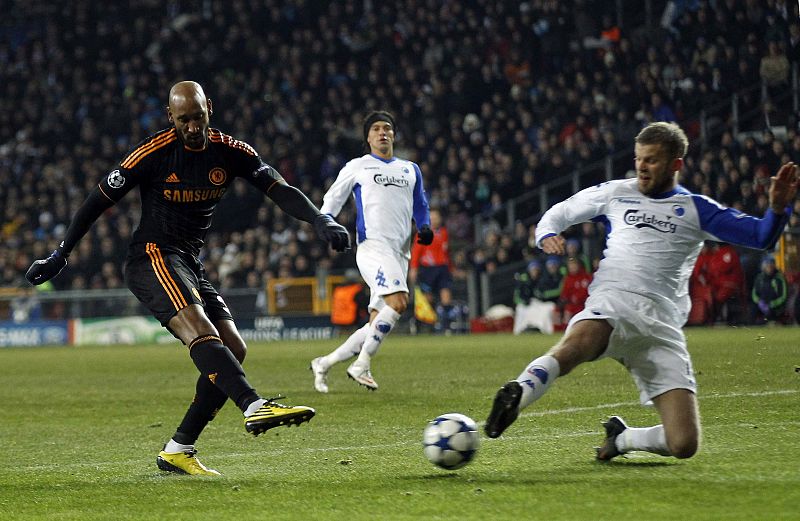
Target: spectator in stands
(552,280)
(573,247)
(530,308)
(575,289)
(660,109)
(182,172)
(727,284)
(609,83)
(526,283)
(793,297)
(769,293)
(26,306)
(700,289)
(430,267)
(793,47)
(747,201)
(592,242)
(774,71)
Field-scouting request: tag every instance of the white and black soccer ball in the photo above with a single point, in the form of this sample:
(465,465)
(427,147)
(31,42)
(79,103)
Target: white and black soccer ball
(451,440)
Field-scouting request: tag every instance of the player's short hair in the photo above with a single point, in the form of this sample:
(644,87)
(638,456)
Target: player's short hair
(377,115)
(668,135)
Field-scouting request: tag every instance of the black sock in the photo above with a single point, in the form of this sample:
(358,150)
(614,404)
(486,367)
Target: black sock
(208,400)
(217,363)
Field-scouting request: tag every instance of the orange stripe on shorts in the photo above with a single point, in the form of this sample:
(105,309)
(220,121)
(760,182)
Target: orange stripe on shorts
(164,278)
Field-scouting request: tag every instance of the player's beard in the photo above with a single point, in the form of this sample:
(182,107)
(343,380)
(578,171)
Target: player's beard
(657,184)
(195,142)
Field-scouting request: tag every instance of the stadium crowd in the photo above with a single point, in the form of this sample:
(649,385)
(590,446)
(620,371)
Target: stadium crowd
(492,99)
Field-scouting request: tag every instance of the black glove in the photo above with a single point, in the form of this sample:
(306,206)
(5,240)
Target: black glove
(43,270)
(425,235)
(332,232)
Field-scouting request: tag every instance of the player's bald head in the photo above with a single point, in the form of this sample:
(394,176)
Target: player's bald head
(189,110)
(186,92)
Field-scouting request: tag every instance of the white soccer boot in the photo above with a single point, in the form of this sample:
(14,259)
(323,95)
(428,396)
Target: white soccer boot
(362,375)
(320,375)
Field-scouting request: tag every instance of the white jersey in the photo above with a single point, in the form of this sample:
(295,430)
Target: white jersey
(388,194)
(653,242)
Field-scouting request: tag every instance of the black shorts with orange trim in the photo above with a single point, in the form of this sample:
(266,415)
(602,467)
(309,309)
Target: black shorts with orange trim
(167,280)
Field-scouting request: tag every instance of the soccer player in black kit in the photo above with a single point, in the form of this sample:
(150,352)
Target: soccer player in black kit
(182,172)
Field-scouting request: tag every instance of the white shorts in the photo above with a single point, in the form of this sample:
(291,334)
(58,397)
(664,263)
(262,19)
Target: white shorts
(645,340)
(384,270)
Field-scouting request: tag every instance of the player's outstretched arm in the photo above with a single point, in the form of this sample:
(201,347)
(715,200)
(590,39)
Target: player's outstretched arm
(783,187)
(93,207)
(295,203)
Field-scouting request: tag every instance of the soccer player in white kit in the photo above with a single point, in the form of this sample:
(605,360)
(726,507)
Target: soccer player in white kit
(388,194)
(639,298)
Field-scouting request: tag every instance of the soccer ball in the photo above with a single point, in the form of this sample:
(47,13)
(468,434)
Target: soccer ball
(450,440)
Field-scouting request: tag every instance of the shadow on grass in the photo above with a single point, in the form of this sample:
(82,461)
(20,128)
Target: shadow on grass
(467,478)
(436,477)
(473,478)
(577,474)
(623,463)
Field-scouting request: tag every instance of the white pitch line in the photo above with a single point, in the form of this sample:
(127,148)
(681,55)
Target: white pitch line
(568,410)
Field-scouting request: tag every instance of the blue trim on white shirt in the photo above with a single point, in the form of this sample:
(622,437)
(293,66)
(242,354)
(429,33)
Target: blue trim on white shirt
(603,219)
(361,228)
(422,214)
(379,158)
(675,191)
(730,225)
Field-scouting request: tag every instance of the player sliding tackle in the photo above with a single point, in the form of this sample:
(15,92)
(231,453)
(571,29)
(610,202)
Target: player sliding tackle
(639,299)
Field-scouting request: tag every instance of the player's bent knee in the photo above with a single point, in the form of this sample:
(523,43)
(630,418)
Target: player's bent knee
(684,448)
(239,349)
(398,302)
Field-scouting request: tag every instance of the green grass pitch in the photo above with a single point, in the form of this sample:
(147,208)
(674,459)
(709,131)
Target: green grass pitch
(81,427)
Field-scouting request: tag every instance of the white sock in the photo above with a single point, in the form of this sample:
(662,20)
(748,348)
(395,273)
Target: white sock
(537,378)
(649,439)
(253,407)
(350,348)
(378,329)
(173,447)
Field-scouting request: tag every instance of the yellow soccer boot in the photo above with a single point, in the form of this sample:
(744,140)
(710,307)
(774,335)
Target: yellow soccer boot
(184,462)
(273,414)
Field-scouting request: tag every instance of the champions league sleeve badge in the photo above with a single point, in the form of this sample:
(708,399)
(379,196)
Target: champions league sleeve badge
(115,179)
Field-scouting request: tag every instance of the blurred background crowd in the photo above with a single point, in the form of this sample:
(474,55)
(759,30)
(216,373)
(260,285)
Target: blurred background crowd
(493,99)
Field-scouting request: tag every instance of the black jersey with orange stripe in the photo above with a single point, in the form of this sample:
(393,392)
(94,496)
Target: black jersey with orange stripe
(180,187)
